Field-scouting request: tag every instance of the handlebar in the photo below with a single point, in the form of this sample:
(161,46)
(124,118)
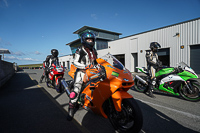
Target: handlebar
(99,76)
(95,76)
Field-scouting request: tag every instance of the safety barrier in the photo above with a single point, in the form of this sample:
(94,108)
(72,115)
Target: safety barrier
(6,71)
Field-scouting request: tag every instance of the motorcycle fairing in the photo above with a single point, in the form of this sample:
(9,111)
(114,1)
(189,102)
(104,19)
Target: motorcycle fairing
(142,69)
(72,71)
(168,90)
(185,75)
(171,77)
(117,98)
(164,71)
(98,100)
(115,86)
(51,75)
(56,79)
(180,77)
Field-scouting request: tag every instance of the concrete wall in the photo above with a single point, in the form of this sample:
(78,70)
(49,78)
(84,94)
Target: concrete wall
(6,72)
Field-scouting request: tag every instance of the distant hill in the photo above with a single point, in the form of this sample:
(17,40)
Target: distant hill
(31,65)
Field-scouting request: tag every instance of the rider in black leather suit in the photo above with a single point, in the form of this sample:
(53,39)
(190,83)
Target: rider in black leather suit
(50,59)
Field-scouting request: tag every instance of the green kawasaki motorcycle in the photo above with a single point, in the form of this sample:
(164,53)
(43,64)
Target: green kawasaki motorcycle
(180,81)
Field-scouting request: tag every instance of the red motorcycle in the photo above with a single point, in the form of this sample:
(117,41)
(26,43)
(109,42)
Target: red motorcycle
(55,76)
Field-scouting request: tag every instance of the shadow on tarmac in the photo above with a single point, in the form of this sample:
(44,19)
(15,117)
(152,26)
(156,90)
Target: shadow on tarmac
(153,122)
(157,92)
(24,108)
(157,122)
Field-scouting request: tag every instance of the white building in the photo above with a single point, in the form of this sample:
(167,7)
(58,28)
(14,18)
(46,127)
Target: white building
(179,42)
(66,60)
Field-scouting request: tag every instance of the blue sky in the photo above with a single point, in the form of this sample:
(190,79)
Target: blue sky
(31,28)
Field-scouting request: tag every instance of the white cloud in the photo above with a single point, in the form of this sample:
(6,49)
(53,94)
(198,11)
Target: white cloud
(37,53)
(21,59)
(94,16)
(18,53)
(11,58)
(30,59)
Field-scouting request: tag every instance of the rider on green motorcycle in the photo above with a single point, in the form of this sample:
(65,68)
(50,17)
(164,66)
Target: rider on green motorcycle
(152,64)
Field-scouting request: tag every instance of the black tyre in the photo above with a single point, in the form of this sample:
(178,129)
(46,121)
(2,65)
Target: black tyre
(70,84)
(129,120)
(140,87)
(49,84)
(193,96)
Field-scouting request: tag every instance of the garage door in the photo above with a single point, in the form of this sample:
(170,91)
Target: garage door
(163,56)
(195,58)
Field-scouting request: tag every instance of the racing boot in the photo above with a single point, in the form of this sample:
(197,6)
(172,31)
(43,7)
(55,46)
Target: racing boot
(149,91)
(42,77)
(71,111)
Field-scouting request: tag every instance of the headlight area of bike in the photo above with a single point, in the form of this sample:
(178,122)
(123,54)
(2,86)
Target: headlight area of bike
(124,83)
(127,85)
(58,69)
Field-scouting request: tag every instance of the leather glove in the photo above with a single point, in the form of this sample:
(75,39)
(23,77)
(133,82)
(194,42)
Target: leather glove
(89,66)
(176,70)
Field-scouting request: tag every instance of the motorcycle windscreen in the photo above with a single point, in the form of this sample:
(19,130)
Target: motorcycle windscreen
(113,61)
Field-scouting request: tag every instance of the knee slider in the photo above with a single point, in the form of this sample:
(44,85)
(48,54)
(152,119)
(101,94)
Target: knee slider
(72,95)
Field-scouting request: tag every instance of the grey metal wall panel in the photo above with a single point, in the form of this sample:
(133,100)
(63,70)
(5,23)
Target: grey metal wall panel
(189,34)
(195,58)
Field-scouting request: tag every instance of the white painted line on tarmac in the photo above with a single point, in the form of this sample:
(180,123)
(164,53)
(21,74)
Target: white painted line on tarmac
(177,111)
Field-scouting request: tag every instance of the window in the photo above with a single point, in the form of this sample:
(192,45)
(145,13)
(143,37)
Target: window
(106,35)
(101,44)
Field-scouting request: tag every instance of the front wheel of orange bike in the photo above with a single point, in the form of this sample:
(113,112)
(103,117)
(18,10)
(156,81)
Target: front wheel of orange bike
(130,119)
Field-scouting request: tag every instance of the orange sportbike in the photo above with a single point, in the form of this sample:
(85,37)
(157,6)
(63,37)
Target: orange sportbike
(104,91)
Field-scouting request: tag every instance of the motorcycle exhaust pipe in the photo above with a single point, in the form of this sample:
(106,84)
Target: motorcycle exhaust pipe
(141,80)
(65,86)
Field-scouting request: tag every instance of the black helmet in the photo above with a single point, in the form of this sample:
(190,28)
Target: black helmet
(54,52)
(154,46)
(88,35)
